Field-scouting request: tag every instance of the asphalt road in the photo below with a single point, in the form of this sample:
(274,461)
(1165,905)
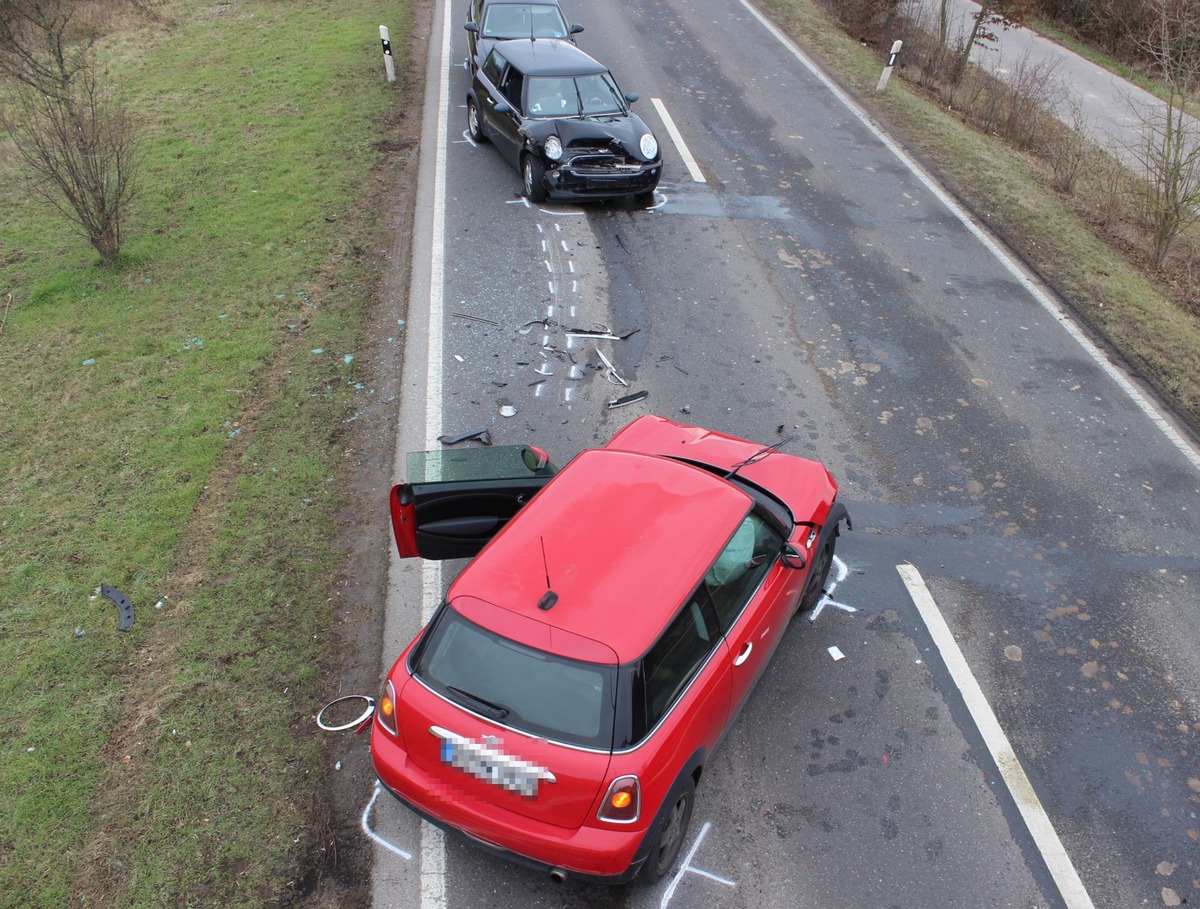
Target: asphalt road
(1005,479)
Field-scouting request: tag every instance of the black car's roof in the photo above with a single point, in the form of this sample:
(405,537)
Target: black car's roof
(548,57)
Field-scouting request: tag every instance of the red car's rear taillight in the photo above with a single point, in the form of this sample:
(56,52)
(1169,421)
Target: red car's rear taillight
(623,801)
(385,711)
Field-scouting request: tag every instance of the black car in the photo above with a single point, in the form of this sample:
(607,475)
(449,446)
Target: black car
(489,21)
(560,118)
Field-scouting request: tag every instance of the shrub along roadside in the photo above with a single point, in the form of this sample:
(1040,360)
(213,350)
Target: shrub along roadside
(170,426)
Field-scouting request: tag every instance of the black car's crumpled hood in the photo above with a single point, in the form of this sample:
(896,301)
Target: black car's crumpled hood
(625,129)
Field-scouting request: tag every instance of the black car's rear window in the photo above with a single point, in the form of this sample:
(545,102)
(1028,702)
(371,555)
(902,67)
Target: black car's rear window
(537,692)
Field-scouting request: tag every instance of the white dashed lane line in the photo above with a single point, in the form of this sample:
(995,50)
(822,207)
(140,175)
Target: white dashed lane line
(677,138)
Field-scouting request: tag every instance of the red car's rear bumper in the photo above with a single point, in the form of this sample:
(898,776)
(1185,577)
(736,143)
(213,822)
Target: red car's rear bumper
(589,853)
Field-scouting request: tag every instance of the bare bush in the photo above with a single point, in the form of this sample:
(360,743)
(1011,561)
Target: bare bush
(1034,89)
(84,150)
(42,45)
(866,19)
(1066,150)
(925,55)
(1169,154)
(81,145)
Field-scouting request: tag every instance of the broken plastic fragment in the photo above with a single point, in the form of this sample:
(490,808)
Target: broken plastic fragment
(481,434)
(90,361)
(628,399)
(508,410)
(124,607)
(610,371)
(467,315)
(836,653)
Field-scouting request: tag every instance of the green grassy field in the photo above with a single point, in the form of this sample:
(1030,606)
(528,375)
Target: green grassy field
(170,427)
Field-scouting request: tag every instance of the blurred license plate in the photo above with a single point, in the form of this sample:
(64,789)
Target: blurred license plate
(490,764)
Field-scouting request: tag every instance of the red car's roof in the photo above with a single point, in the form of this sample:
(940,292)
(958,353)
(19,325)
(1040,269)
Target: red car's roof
(624,537)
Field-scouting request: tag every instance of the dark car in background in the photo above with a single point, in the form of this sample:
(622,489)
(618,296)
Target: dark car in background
(489,21)
(559,117)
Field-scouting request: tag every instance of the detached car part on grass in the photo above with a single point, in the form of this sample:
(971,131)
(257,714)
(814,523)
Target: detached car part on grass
(559,117)
(560,707)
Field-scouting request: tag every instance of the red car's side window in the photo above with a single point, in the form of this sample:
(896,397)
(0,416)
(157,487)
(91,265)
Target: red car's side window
(674,660)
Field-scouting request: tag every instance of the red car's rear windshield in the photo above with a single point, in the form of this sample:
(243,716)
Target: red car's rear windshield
(515,685)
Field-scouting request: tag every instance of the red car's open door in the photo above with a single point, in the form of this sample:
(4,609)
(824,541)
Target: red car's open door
(455,500)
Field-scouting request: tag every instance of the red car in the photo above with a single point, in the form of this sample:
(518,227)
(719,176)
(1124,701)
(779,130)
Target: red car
(560,707)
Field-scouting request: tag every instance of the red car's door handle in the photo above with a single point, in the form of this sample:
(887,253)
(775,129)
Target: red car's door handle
(744,655)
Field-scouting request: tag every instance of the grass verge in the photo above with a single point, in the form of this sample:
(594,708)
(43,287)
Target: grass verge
(171,427)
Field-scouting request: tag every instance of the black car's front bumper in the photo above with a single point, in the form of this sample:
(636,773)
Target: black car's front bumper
(589,177)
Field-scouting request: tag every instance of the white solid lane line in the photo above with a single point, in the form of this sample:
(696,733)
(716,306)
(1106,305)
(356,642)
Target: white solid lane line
(677,138)
(1074,895)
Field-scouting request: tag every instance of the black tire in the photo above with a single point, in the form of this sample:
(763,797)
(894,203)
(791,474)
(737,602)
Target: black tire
(817,576)
(669,837)
(473,128)
(534,172)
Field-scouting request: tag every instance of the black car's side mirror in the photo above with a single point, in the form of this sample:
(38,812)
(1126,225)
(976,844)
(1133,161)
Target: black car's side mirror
(503,107)
(793,557)
(576,28)
(471,27)
(632,96)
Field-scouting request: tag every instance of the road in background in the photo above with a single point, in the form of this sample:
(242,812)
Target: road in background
(815,286)
(1111,111)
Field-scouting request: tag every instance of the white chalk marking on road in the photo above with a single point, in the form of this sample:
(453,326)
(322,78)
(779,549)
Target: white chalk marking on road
(1074,894)
(840,571)
(1098,356)
(371,834)
(677,138)
(687,867)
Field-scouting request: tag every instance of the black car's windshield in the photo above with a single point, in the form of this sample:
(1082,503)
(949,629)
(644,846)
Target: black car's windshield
(531,690)
(592,95)
(523,20)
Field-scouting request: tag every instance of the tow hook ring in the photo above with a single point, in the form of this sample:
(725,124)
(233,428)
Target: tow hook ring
(361,721)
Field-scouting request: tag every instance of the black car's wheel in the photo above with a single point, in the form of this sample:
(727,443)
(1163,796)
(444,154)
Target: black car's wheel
(817,576)
(473,129)
(535,173)
(671,832)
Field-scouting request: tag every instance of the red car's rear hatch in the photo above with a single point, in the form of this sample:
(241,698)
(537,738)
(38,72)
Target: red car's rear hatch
(511,712)
(491,765)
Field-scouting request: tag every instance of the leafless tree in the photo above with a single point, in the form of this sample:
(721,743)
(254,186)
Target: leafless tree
(1170,150)
(40,46)
(993,15)
(81,144)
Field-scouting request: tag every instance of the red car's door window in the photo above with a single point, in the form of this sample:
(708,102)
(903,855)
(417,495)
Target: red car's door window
(741,566)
